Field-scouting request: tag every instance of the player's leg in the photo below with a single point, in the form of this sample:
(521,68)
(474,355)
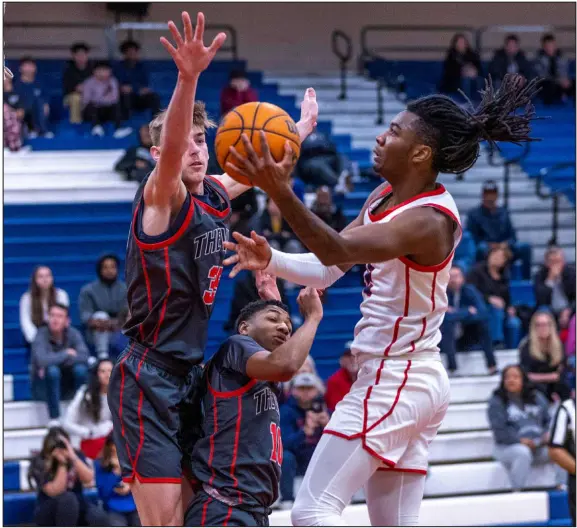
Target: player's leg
(337,470)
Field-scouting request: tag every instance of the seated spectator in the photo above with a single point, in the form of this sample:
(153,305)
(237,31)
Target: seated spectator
(137,162)
(244,210)
(325,209)
(33,100)
(277,231)
(35,302)
(100,304)
(461,69)
(59,356)
(118,340)
(491,278)
(319,162)
(554,286)
(308,367)
(237,92)
(101,101)
(88,415)
(77,71)
(509,59)
(570,354)
(302,418)
(59,474)
(135,90)
(519,418)
(466,322)
(115,495)
(340,383)
(541,355)
(491,226)
(13,117)
(552,66)
(465,253)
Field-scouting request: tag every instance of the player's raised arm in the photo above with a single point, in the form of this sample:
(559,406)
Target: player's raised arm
(191,58)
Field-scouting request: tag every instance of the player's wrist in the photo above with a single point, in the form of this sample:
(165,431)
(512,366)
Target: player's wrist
(188,77)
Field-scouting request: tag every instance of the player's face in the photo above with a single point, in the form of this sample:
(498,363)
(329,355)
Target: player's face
(513,380)
(195,159)
(270,328)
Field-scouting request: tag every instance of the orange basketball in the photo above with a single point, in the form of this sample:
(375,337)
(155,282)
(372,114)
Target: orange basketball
(249,119)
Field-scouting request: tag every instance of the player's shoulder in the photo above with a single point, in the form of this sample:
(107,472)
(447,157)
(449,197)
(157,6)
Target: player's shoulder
(238,340)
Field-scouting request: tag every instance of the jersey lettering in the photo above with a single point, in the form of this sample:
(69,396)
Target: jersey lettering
(215,273)
(210,242)
(277,449)
(265,400)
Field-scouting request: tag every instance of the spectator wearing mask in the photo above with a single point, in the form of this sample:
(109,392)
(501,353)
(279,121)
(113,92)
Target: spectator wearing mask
(132,75)
(510,59)
(553,68)
(101,302)
(237,92)
(326,210)
(13,117)
(33,100)
(35,303)
(466,322)
(319,162)
(137,162)
(114,494)
(461,69)
(554,286)
(101,101)
(77,71)
(302,418)
(519,418)
(88,416)
(491,226)
(59,356)
(59,473)
(542,357)
(340,383)
(277,231)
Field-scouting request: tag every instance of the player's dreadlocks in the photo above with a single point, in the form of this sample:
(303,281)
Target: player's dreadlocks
(454,133)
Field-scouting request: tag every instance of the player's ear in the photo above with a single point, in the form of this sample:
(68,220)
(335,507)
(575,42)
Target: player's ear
(155,152)
(243,328)
(422,153)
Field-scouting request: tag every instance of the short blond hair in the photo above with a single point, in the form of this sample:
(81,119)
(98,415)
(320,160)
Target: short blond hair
(199,119)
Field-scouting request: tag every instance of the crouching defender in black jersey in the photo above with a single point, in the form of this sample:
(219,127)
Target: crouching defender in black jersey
(237,462)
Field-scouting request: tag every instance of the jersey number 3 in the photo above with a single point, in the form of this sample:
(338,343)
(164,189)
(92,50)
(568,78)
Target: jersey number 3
(277,451)
(214,274)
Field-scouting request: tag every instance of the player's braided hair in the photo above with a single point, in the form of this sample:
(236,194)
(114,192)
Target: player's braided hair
(254,307)
(454,133)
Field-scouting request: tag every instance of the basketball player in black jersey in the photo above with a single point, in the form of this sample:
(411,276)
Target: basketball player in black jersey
(237,462)
(173,268)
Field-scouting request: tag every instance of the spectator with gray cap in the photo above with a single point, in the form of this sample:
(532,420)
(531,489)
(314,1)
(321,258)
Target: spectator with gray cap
(340,383)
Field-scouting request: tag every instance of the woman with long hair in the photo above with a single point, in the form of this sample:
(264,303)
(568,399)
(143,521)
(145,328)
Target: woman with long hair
(115,494)
(88,415)
(35,303)
(542,356)
(519,418)
(461,69)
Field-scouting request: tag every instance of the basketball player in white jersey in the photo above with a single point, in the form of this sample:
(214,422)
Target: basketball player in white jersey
(406,234)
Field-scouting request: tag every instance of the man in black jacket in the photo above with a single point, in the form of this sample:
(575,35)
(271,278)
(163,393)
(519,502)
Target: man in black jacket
(510,59)
(77,71)
(137,162)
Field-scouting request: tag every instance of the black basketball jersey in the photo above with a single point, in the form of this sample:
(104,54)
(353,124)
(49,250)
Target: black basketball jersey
(173,278)
(238,459)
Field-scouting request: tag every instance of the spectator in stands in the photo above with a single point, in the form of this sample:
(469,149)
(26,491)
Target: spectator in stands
(319,162)
(59,474)
(340,383)
(237,92)
(461,69)
(137,162)
(541,354)
(101,101)
(308,367)
(553,67)
(244,210)
(555,285)
(302,418)
(35,303)
(77,71)
(491,278)
(510,59)
(570,354)
(325,209)
(101,302)
(13,117)
(491,226)
(88,416)
(33,100)
(519,418)
(132,75)
(465,254)
(277,230)
(114,494)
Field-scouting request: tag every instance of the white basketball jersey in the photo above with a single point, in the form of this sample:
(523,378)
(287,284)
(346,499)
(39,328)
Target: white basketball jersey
(404,303)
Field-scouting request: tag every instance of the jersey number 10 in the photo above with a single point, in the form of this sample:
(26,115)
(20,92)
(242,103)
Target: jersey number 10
(277,451)
(214,274)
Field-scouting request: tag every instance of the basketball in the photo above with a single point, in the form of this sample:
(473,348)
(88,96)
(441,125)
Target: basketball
(249,119)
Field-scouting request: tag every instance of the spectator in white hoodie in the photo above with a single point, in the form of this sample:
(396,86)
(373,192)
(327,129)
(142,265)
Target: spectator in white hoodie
(88,415)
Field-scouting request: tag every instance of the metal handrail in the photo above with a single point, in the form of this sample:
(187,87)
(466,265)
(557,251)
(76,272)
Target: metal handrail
(507,164)
(344,57)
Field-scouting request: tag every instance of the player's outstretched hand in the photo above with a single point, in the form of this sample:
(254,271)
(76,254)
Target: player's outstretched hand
(266,286)
(309,114)
(252,253)
(310,304)
(190,55)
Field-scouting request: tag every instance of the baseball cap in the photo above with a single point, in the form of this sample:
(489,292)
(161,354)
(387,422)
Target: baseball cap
(490,186)
(305,379)
(347,349)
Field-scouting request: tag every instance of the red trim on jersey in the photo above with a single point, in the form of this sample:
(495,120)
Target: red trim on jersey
(433,291)
(228,514)
(214,179)
(121,366)
(234,393)
(407,290)
(169,241)
(342,435)
(404,470)
(372,452)
(374,218)
(235,447)
(204,508)
(443,209)
(211,442)
(167,294)
(151,480)
(424,322)
(211,210)
(146,280)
